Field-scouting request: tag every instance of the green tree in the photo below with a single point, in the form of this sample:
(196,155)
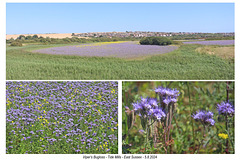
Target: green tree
(21,37)
(35,36)
(155,41)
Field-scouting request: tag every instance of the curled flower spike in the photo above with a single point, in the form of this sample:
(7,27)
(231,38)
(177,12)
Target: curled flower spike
(148,107)
(168,95)
(225,108)
(205,117)
(167,91)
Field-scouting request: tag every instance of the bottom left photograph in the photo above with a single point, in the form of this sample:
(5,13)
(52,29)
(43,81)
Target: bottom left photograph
(68,117)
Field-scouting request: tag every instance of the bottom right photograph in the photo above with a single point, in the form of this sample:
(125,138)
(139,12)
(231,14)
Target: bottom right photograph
(178,117)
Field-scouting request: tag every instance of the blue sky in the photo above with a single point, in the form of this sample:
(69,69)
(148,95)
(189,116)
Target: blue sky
(23,18)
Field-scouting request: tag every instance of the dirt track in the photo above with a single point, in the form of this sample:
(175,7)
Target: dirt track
(52,35)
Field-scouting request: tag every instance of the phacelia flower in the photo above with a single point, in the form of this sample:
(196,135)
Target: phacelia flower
(169,96)
(205,117)
(158,114)
(225,108)
(148,107)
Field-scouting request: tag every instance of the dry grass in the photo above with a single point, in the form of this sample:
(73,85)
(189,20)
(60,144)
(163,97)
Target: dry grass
(52,35)
(226,52)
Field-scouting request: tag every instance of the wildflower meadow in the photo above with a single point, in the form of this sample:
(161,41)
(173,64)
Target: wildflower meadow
(120,49)
(178,117)
(61,117)
(120,61)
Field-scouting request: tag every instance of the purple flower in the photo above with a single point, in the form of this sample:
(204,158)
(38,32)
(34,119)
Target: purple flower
(225,108)
(137,106)
(219,42)
(153,102)
(168,95)
(167,91)
(121,50)
(68,111)
(141,131)
(158,114)
(167,100)
(205,117)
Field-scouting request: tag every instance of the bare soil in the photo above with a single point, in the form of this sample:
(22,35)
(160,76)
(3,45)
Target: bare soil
(50,35)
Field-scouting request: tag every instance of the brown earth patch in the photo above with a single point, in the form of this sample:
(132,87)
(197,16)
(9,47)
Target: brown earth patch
(223,52)
(50,35)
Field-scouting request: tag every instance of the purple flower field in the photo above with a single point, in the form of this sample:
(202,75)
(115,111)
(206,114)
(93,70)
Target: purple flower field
(220,42)
(120,50)
(62,117)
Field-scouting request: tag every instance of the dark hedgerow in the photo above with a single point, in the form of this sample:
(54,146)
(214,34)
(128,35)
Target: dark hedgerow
(155,41)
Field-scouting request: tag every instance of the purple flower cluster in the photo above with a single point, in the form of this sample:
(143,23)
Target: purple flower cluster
(205,117)
(148,108)
(220,42)
(225,108)
(81,117)
(168,95)
(120,50)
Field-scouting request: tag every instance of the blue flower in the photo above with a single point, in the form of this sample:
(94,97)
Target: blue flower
(153,102)
(168,95)
(158,114)
(167,100)
(167,91)
(141,131)
(205,117)
(225,108)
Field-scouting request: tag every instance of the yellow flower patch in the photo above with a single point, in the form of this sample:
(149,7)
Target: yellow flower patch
(223,136)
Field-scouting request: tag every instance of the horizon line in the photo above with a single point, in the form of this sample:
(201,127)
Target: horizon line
(126,31)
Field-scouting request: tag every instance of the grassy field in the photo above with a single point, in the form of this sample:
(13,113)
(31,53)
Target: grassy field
(183,63)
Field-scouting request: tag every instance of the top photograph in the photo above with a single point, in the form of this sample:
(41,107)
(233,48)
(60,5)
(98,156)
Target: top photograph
(120,41)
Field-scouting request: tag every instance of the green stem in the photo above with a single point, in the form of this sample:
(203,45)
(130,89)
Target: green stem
(126,123)
(227,146)
(146,137)
(204,127)
(191,110)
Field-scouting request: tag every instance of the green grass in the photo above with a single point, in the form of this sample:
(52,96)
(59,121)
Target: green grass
(181,64)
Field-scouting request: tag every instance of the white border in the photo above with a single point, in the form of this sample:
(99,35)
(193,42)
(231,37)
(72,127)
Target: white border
(77,157)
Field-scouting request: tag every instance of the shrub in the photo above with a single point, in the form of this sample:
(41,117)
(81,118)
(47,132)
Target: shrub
(16,43)
(21,37)
(68,40)
(28,38)
(35,36)
(155,41)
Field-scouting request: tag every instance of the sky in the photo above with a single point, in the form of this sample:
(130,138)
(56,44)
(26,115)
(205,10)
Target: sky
(30,18)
